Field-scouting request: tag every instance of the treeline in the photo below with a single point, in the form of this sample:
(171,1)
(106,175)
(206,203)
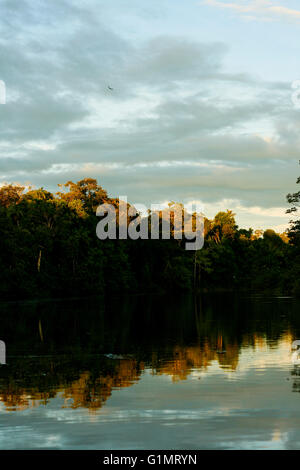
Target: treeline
(48,247)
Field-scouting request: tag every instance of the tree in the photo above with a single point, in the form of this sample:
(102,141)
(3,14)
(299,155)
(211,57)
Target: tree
(84,196)
(272,238)
(41,194)
(294,199)
(11,194)
(223,226)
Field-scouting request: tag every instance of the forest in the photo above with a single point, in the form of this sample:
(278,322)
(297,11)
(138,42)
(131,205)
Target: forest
(49,248)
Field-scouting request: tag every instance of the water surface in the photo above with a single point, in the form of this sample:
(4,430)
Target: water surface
(175,372)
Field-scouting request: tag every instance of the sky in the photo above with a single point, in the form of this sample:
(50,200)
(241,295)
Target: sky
(201,110)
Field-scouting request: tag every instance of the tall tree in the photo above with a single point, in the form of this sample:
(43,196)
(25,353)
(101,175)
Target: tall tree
(10,194)
(294,200)
(84,196)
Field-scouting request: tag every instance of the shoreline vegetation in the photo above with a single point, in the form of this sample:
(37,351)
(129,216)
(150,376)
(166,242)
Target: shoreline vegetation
(49,248)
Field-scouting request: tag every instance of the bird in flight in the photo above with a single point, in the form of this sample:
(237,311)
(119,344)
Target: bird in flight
(110,88)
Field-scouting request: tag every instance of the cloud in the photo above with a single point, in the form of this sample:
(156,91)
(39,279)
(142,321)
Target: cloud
(258,9)
(252,216)
(177,126)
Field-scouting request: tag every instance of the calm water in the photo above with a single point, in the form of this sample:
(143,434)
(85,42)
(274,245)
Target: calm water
(214,372)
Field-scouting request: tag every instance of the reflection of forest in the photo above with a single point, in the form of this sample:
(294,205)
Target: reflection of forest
(62,354)
(185,359)
(87,388)
(91,388)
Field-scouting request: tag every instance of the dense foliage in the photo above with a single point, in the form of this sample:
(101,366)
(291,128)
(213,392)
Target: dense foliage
(48,247)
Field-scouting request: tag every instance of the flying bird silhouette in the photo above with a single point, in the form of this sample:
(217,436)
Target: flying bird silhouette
(110,88)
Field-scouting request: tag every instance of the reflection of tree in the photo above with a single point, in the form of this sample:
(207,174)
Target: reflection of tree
(172,336)
(17,398)
(185,359)
(89,383)
(89,393)
(295,373)
(89,390)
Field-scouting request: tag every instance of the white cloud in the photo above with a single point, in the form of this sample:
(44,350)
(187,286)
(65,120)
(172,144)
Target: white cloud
(258,9)
(255,216)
